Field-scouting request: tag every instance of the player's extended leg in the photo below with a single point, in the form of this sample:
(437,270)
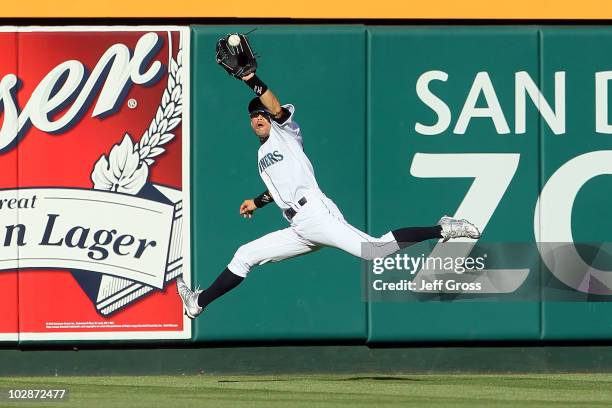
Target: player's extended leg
(273,247)
(333,230)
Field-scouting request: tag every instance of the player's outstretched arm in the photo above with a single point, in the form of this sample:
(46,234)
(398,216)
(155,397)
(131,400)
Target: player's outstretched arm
(267,97)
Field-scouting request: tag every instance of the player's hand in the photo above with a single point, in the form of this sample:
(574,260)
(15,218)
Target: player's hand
(235,55)
(247,77)
(247,208)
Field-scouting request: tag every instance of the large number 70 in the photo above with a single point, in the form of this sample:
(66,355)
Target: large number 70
(552,221)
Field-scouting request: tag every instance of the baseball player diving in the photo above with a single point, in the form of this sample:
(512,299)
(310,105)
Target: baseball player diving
(314,220)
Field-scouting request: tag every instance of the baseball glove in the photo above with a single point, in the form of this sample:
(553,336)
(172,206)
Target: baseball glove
(237,60)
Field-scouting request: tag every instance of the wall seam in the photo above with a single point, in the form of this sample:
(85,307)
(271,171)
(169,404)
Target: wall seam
(368,221)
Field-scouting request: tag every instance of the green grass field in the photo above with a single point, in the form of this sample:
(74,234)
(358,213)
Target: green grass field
(530,390)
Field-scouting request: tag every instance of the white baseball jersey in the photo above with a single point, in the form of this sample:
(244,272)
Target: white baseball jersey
(289,176)
(283,166)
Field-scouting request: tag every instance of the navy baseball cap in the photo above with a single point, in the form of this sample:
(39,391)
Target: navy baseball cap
(255,106)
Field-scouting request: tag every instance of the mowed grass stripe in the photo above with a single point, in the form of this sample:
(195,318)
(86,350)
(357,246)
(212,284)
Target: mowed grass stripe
(364,390)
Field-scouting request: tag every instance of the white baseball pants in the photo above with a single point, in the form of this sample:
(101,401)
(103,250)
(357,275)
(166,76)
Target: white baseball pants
(319,223)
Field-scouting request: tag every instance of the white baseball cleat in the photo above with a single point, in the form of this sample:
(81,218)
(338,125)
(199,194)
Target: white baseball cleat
(189,298)
(453,228)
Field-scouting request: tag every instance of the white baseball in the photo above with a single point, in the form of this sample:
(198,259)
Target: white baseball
(233,40)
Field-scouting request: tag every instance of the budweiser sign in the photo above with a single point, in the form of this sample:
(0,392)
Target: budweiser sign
(94,205)
(68,84)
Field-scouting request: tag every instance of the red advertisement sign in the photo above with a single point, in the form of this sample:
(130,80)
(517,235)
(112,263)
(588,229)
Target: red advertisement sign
(8,180)
(95,207)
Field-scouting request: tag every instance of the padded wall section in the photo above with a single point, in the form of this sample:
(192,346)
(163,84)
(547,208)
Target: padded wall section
(576,169)
(321,70)
(418,173)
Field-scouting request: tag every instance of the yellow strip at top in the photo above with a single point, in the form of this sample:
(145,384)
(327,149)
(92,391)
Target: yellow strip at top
(320,9)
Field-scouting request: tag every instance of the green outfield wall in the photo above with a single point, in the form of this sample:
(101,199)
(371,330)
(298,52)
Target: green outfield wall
(356,90)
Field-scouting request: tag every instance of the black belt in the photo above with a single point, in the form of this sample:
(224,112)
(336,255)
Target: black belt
(290,212)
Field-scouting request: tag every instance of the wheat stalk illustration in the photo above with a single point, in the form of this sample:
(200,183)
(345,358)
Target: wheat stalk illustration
(167,117)
(127,168)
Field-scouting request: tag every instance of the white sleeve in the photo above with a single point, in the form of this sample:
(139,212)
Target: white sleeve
(289,126)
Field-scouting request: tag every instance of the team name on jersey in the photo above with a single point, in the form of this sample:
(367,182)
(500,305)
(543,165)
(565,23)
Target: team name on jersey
(269,159)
